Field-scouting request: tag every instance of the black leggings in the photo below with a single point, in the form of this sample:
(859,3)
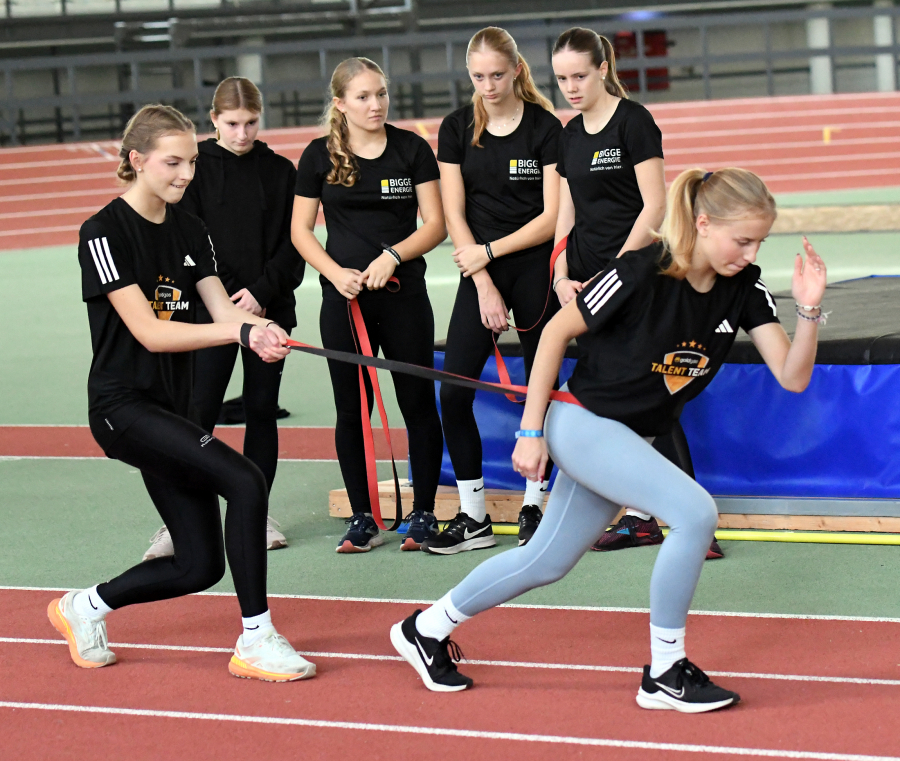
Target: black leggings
(403,327)
(262,381)
(523,286)
(185,471)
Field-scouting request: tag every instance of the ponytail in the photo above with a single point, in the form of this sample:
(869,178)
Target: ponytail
(344,167)
(587,41)
(500,41)
(725,195)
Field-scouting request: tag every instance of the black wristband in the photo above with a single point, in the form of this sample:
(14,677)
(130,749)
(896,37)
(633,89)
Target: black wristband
(245,334)
(272,322)
(392,252)
(487,247)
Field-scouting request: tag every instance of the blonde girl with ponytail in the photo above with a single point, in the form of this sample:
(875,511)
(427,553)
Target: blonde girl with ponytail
(653,329)
(146,267)
(372,181)
(500,192)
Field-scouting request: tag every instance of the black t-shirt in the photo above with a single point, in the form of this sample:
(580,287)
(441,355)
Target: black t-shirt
(600,171)
(504,179)
(380,208)
(117,248)
(654,343)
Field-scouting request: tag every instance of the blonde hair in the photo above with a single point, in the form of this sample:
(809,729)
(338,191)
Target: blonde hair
(345,170)
(500,41)
(581,40)
(143,130)
(725,195)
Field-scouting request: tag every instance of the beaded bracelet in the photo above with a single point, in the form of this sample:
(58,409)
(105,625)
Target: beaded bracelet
(821,318)
(487,248)
(526,434)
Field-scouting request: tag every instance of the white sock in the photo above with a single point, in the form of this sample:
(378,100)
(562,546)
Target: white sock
(636,514)
(471,499)
(88,604)
(535,492)
(439,621)
(256,626)
(666,649)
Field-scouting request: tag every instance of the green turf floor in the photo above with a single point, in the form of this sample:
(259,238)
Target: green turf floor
(72,523)
(76,522)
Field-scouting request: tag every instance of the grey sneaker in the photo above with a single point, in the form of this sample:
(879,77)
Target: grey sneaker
(160,546)
(271,658)
(87,640)
(274,538)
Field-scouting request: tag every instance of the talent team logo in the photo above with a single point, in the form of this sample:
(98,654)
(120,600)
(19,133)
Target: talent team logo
(524,169)
(608,158)
(168,299)
(401,188)
(682,366)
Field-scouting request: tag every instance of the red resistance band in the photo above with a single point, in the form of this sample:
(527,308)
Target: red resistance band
(365,358)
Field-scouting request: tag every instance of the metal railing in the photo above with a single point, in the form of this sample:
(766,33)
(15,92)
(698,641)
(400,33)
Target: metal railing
(195,70)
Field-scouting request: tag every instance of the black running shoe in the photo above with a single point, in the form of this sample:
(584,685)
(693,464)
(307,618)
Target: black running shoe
(630,531)
(362,535)
(461,534)
(714,552)
(529,518)
(685,688)
(435,661)
(421,525)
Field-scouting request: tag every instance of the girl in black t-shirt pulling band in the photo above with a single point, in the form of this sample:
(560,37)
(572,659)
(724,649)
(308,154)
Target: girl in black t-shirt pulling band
(612,197)
(500,191)
(243,191)
(145,263)
(372,180)
(653,329)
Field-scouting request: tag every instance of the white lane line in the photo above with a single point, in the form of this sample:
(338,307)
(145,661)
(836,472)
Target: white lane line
(478,662)
(577,608)
(110,191)
(448,732)
(55,163)
(49,212)
(39,230)
(56,178)
(843,159)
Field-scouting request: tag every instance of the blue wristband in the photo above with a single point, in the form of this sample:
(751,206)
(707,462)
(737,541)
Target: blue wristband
(529,434)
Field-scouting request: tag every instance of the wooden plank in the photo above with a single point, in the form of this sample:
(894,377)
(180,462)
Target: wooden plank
(503,506)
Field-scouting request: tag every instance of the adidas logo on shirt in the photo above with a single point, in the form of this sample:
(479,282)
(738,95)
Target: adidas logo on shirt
(602,292)
(188,262)
(103,260)
(724,327)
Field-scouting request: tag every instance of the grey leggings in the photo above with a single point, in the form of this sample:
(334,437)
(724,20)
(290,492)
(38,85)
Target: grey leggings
(603,464)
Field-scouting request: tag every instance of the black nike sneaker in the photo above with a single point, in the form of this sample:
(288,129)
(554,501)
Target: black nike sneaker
(685,688)
(529,519)
(461,534)
(435,661)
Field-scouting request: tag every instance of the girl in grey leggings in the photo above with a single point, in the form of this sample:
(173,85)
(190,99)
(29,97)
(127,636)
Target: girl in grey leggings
(653,330)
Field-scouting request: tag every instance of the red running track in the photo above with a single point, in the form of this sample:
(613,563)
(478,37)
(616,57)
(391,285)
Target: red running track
(789,718)
(808,143)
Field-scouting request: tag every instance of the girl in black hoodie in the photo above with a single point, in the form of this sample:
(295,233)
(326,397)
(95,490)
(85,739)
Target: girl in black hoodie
(244,191)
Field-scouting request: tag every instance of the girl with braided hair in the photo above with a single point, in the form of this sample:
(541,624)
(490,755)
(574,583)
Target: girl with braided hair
(372,180)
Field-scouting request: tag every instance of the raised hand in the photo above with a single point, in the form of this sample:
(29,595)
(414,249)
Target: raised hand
(809,280)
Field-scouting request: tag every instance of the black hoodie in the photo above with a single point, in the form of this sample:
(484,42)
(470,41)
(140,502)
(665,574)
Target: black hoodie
(246,202)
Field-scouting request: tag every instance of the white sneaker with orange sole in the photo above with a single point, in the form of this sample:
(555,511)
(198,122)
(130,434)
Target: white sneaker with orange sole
(271,658)
(87,640)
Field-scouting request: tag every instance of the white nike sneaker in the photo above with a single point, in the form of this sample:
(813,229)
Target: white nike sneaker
(274,538)
(271,658)
(87,640)
(160,546)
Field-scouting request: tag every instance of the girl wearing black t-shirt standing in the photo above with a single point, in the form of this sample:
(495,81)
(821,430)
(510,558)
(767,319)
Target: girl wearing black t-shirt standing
(243,191)
(612,197)
(145,264)
(372,179)
(653,329)
(500,192)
